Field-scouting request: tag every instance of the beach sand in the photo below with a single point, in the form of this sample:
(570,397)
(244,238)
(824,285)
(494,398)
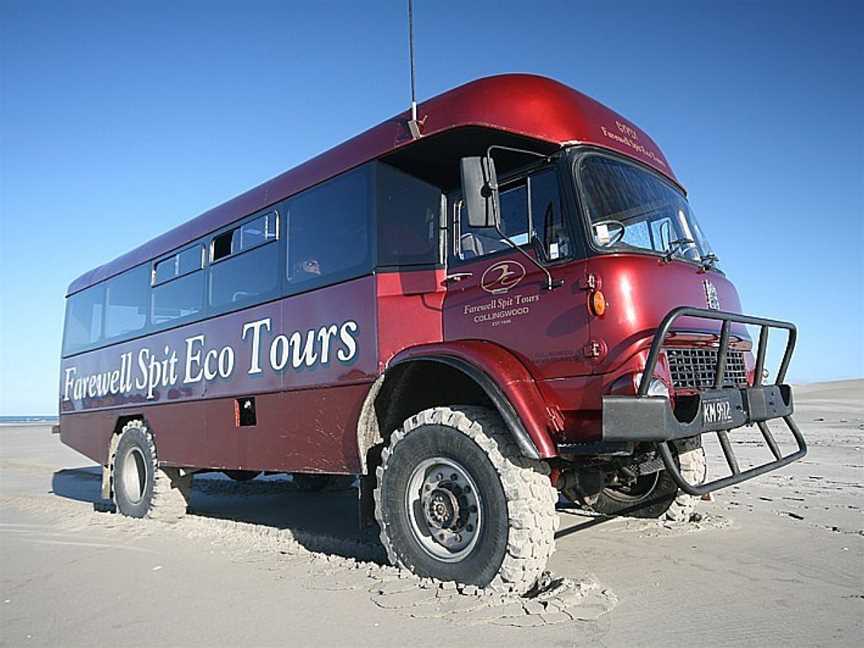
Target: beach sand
(776,561)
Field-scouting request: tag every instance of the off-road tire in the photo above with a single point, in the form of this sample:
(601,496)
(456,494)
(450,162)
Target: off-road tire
(165,494)
(694,469)
(241,475)
(517,499)
(665,500)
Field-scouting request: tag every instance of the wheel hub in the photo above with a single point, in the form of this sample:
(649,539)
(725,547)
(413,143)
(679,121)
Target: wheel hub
(134,477)
(443,507)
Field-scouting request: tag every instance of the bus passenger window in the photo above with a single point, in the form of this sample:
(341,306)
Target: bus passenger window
(253,233)
(127,296)
(247,271)
(178,291)
(83,319)
(190,260)
(256,232)
(165,270)
(177,300)
(221,246)
(245,279)
(328,232)
(408,215)
(177,265)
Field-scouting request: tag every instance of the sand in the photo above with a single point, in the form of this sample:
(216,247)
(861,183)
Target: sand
(775,561)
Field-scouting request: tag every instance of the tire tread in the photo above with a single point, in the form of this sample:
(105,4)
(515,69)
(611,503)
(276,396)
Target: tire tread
(171,491)
(529,493)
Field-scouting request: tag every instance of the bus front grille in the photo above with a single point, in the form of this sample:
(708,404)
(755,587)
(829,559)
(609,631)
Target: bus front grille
(696,368)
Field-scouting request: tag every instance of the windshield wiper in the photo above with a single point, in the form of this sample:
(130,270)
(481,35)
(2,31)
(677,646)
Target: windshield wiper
(674,246)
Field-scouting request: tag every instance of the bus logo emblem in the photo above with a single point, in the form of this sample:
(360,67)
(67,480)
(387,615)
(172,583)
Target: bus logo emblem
(711,297)
(502,276)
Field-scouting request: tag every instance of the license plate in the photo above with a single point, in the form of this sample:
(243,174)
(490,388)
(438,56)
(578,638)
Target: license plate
(717,412)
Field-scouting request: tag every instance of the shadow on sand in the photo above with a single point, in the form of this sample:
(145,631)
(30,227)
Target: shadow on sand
(583,521)
(270,500)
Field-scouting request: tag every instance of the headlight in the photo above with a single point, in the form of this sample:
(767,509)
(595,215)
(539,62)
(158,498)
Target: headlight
(658,388)
(655,388)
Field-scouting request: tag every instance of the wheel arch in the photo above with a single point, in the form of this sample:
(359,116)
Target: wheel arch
(469,373)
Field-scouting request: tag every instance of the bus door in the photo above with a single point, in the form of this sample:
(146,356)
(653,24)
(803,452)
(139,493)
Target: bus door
(497,293)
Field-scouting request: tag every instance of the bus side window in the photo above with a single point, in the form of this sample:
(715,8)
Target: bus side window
(84,312)
(408,217)
(178,286)
(244,265)
(250,234)
(126,298)
(328,232)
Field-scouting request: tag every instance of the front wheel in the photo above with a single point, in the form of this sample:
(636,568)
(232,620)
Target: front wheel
(457,501)
(655,495)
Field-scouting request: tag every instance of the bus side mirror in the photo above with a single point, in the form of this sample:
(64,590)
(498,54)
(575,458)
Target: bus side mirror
(480,191)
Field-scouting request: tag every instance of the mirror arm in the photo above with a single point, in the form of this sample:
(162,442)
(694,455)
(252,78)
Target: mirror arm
(551,283)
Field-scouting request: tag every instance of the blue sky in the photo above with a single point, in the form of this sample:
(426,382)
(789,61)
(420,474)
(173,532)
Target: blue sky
(120,120)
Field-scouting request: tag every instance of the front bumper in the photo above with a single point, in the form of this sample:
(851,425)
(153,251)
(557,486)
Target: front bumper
(644,418)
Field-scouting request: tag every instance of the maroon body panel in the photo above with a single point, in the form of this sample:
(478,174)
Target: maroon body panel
(640,289)
(409,311)
(309,367)
(305,430)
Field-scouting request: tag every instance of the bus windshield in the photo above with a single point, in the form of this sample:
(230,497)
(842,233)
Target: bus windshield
(629,208)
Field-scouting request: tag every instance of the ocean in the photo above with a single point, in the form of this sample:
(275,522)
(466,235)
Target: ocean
(19,420)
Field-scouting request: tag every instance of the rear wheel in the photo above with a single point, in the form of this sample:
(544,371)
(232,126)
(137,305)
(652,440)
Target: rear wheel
(140,488)
(655,495)
(457,501)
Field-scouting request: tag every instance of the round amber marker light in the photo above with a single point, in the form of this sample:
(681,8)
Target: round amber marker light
(598,303)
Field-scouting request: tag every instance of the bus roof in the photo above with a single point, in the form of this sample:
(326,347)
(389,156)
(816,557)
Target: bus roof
(522,104)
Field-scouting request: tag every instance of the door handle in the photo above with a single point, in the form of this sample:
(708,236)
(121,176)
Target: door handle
(456,277)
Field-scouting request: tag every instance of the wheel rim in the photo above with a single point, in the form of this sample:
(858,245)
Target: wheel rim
(444,509)
(134,475)
(639,491)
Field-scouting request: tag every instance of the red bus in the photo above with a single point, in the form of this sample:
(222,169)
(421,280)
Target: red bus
(512,303)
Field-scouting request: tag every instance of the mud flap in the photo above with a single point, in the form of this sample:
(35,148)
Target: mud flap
(366,501)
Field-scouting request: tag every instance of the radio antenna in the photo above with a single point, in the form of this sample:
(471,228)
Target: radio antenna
(413,123)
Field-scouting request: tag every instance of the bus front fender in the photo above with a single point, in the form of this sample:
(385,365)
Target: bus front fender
(507,383)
